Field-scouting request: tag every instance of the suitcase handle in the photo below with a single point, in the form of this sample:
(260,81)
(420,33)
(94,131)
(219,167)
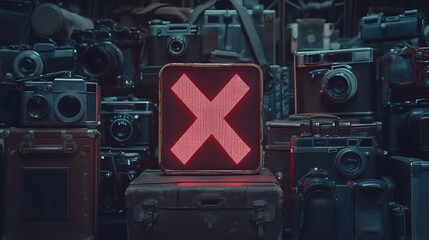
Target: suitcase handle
(335,122)
(28,146)
(47,149)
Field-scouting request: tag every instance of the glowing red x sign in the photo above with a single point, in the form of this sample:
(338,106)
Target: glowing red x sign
(210,119)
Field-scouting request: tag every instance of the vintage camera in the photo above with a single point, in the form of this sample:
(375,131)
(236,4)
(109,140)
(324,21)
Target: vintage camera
(310,33)
(344,158)
(225,40)
(340,82)
(406,128)
(117,170)
(127,122)
(173,42)
(378,27)
(405,74)
(61,102)
(22,61)
(317,206)
(109,54)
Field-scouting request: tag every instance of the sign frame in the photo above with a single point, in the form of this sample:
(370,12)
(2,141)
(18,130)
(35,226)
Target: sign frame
(162,130)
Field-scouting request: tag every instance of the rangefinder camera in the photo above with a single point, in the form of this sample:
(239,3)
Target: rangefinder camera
(378,27)
(61,102)
(22,61)
(128,122)
(339,82)
(405,74)
(344,158)
(173,42)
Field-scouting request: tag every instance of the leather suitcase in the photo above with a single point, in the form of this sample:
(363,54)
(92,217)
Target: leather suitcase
(204,207)
(411,178)
(51,184)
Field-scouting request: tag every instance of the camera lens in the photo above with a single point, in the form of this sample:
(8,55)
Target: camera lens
(37,106)
(339,85)
(350,163)
(69,107)
(121,128)
(176,46)
(28,63)
(103,61)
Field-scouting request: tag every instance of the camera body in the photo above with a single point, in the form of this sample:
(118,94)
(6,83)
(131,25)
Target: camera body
(406,74)
(22,61)
(344,158)
(317,198)
(407,128)
(117,170)
(378,27)
(61,102)
(173,42)
(109,54)
(128,123)
(222,30)
(339,82)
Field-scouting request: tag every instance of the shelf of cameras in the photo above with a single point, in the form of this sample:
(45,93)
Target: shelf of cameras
(124,122)
(108,54)
(125,61)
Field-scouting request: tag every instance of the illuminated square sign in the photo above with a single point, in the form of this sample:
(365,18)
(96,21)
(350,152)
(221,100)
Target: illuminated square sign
(210,118)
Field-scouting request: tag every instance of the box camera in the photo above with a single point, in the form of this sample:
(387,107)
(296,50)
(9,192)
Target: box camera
(344,158)
(405,74)
(128,122)
(173,42)
(61,102)
(378,27)
(310,33)
(117,170)
(406,128)
(222,30)
(22,61)
(109,54)
(340,82)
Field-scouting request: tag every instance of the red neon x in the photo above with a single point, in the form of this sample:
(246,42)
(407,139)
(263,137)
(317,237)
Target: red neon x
(210,119)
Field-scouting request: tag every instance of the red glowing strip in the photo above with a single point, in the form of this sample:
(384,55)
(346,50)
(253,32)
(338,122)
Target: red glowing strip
(210,119)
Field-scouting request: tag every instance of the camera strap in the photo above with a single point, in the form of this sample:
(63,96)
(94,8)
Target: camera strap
(249,31)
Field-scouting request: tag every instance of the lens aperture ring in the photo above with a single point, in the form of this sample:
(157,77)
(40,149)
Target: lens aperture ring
(339,85)
(350,163)
(69,107)
(28,63)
